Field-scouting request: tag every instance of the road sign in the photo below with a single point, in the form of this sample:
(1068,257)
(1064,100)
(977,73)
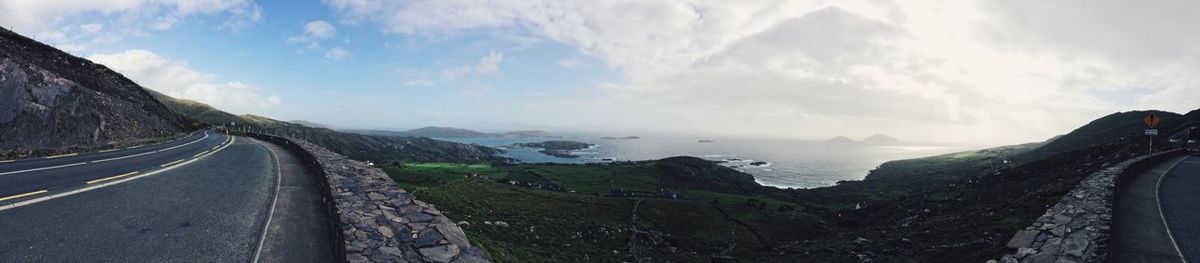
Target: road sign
(1151,120)
(1151,132)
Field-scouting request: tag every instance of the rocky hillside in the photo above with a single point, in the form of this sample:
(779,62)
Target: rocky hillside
(357,146)
(51,101)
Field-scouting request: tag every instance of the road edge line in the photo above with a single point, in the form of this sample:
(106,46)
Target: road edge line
(1163,216)
(98,186)
(274,200)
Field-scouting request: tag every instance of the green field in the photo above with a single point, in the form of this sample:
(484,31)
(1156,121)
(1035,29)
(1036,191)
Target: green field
(579,223)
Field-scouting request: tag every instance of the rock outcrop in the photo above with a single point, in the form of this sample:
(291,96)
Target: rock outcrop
(51,101)
(381,222)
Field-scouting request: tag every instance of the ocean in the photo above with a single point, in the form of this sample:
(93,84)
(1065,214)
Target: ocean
(786,163)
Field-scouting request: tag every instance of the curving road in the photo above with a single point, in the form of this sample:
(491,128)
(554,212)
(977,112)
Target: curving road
(1155,219)
(206,197)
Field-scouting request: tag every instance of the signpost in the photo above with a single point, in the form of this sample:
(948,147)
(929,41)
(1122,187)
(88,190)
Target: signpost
(1151,120)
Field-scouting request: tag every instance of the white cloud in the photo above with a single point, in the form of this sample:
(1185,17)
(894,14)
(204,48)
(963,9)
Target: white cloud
(965,71)
(41,15)
(314,33)
(489,64)
(317,32)
(175,78)
(337,53)
(72,24)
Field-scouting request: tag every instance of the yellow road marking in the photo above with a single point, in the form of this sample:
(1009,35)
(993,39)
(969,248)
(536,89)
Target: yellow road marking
(111,177)
(61,155)
(170,163)
(22,195)
(199,154)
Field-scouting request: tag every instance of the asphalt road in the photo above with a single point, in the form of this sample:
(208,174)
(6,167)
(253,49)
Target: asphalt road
(213,206)
(1155,218)
(57,174)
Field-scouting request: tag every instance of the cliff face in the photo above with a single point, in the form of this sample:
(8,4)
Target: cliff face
(51,101)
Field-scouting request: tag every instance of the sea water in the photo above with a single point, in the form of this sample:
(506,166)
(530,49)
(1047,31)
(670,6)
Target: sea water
(786,163)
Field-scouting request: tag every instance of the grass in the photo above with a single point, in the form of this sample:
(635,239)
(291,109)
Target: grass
(579,224)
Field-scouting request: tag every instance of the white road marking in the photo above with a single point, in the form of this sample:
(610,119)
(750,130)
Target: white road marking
(1158,185)
(44,168)
(145,153)
(97,186)
(271,213)
(61,155)
(99,161)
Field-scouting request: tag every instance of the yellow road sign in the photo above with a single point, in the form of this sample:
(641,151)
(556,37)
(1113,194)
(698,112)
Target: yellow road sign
(1152,120)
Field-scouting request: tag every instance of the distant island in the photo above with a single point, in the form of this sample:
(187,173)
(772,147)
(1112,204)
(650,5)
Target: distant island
(559,148)
(873,139)
(841,139)
(705,141)
(621,138)
(881,139)
(451,132)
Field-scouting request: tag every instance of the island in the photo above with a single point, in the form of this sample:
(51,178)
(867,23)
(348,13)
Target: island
(841,139)
(881,139)
(620,138)
(706,141)
(560,148)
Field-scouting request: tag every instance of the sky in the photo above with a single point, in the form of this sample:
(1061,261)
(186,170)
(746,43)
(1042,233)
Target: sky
(979,72)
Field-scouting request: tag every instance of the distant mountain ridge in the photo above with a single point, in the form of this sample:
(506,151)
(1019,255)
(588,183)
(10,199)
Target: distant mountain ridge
(841,139)
(51,101)
(880,138)
(357,146)
(451,132)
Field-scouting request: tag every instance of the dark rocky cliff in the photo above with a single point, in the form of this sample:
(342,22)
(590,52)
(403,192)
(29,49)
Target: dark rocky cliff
(51,101)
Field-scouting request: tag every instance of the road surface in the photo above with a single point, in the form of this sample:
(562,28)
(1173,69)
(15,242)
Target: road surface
(1155,219)
(206,197)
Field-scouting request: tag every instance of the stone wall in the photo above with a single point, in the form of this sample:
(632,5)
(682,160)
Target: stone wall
(380,222)
(1076,228)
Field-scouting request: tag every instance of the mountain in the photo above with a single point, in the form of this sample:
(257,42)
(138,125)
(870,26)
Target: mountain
(881,139)
(309,124)
(357,146)
(1113,127)
(51,101)
(965,206)
(841,139)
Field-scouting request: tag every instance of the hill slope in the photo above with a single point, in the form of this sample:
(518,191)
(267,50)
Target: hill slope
(357,146)
(52,101)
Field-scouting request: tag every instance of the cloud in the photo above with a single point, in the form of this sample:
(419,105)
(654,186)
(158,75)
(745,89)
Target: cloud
(314,33)
(961,71)
(32,17)
(337,53)
(176,79)
(489,64)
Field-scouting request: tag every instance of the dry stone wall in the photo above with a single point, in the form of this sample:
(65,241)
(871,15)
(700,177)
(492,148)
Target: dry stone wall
(381,222)
(1076,228)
